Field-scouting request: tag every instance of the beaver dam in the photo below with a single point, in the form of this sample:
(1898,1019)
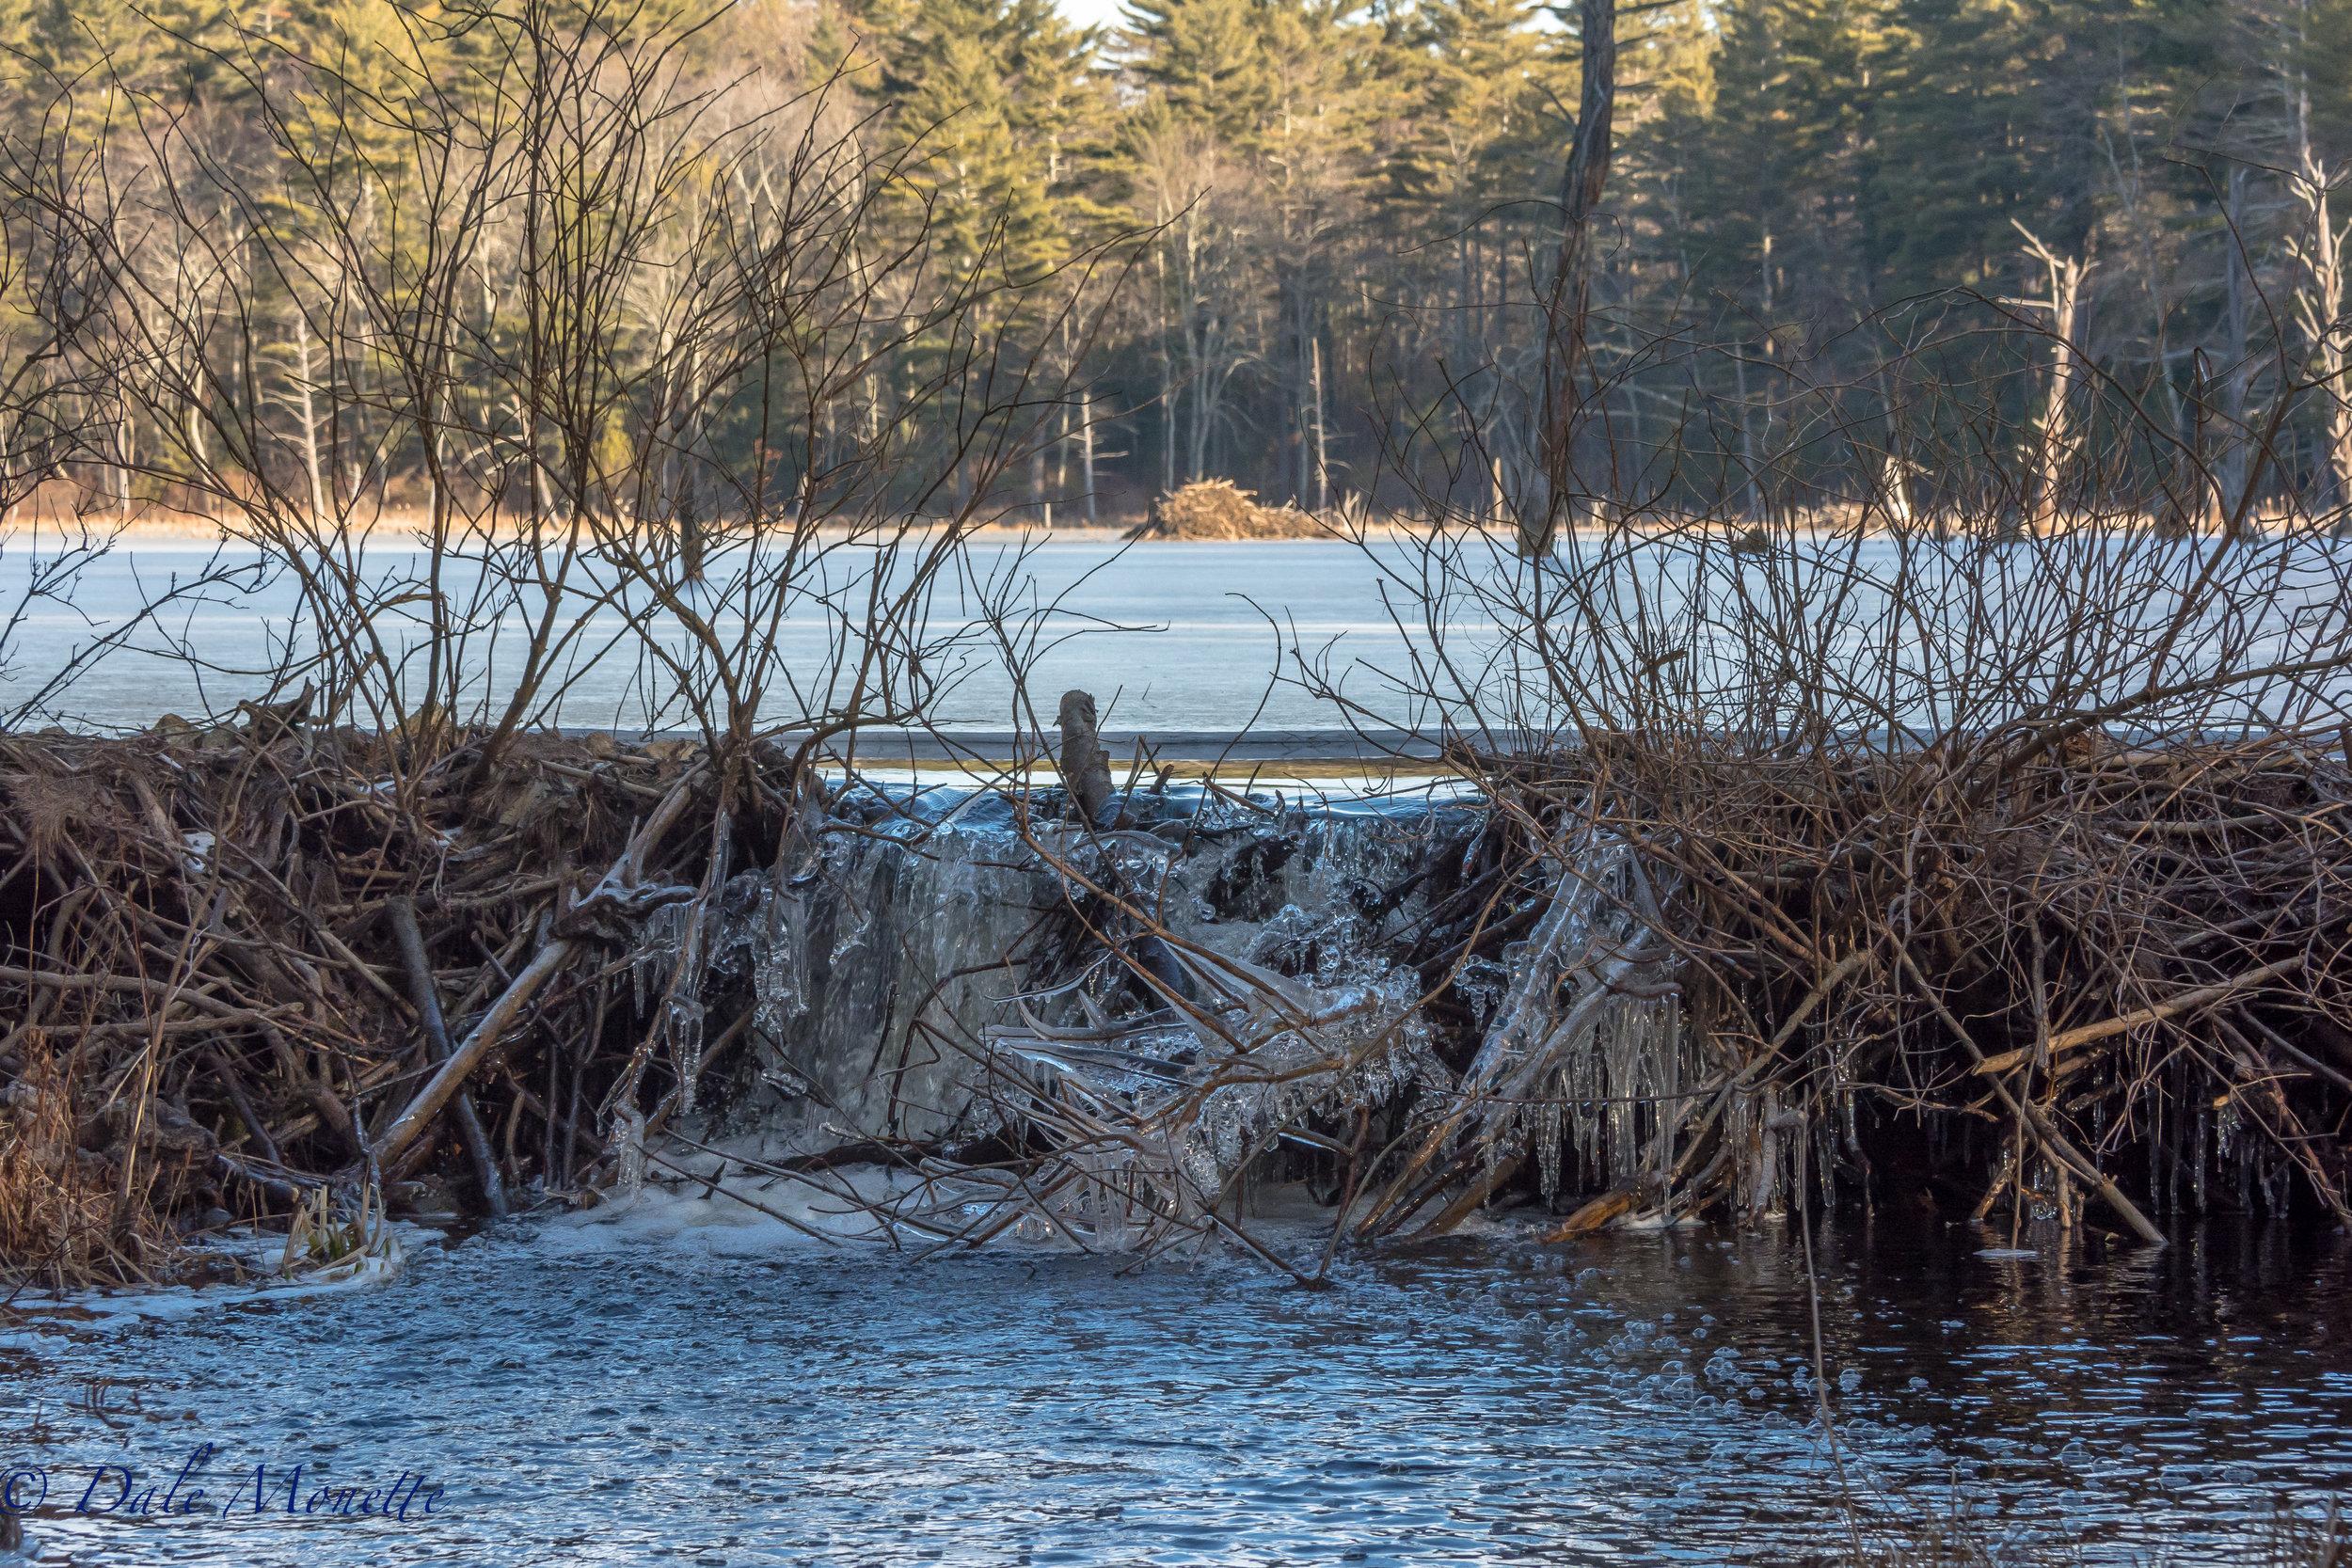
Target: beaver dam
(1743,1060)
(2100,987)
(1838,1001)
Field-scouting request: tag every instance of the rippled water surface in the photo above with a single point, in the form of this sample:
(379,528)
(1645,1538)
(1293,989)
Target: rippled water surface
(602,1395)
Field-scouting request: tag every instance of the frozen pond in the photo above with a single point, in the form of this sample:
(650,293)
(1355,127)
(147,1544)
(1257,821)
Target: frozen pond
(1166,634)
(679,1384)
(1192,636)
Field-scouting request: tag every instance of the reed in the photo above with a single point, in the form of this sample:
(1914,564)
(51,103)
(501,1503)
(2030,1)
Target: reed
(70,1214)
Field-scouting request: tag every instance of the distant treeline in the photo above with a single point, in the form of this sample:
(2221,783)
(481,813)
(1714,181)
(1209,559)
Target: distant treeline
(1926,238)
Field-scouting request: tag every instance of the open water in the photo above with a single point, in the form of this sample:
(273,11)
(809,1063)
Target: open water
(684,1383)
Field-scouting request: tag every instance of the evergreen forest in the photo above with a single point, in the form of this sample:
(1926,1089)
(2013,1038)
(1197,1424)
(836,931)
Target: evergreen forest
(1298,245)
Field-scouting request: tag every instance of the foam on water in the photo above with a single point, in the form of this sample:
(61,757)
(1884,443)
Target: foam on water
(257,1251)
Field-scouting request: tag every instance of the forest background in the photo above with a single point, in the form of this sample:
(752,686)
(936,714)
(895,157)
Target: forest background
(1836,229)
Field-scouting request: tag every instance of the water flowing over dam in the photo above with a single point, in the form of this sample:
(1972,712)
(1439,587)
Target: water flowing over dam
(882,963)
(904,988)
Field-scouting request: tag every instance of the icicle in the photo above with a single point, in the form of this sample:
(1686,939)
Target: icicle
(628,1144)
(655,958)
(686,1041)
(1605,1054)
(779,962)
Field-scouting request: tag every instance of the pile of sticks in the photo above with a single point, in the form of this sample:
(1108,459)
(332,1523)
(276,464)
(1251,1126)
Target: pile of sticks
(2052,981)
(247,964)
(2059,973)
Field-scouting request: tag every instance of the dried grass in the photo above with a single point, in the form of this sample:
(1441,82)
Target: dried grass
(64,1216)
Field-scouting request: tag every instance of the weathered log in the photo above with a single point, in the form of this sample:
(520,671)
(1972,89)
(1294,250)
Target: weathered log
(1598,1215)
(403,916)
(2185,1002)
(276,1186)
(1085,766)
(465,1058)
(1476,1194)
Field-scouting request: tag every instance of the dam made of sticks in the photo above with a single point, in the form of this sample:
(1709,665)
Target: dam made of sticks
(273,968)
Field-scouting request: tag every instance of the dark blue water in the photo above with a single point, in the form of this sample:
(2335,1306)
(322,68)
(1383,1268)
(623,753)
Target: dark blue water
(715,1397)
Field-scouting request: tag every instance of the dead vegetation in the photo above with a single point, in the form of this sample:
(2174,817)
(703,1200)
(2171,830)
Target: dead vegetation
(1208,509)
(68,1214)
(2103,992)
(198,1032)
(263,967)
(2023,984)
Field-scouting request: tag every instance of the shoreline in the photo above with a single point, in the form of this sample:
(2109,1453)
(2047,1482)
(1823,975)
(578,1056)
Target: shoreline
(44,533)
(409,528)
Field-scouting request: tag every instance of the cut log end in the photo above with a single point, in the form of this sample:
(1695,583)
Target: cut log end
(1595,1216)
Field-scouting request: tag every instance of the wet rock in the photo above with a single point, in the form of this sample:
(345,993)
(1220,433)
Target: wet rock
(424,1196)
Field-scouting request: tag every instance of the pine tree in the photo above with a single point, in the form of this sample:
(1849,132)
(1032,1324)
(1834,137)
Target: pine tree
(1003,115)
(1206,61)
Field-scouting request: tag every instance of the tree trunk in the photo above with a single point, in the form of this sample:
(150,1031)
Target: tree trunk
(1086,768)
(1323,454)
(1086,447)
(2054,434)
(2318,304)
(2237,377)
(2058,431)
(309,417)
(1566,306)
